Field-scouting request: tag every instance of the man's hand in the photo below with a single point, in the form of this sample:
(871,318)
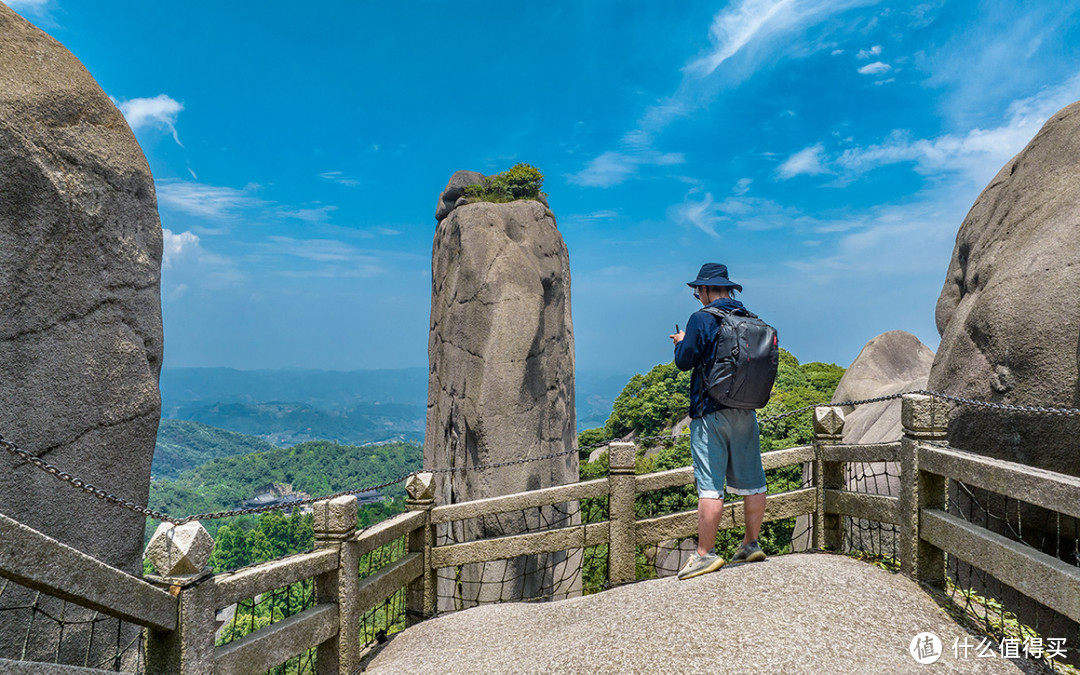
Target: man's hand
(676,338)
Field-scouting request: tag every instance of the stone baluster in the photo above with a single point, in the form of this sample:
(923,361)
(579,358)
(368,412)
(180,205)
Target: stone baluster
(335,528)
(924,418)
(828,475)
(622,549)
(180,554)
(420,597)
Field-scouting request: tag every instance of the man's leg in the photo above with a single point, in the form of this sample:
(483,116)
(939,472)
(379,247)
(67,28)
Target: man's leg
(754,513)
(708,519)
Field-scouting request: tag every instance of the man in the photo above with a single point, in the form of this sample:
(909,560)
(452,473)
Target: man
(723,441)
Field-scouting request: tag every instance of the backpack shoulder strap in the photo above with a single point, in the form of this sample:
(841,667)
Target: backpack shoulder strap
(721,313)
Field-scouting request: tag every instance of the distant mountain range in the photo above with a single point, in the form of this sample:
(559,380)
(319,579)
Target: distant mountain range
(286,407)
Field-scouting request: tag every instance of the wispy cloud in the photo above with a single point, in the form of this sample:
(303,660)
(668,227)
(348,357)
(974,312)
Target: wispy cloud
(208,201)
(979,153)
(867,53)
(806,162)
(614,167)
(319,214)
(742,24)
(701,210)
(340,178)
(160,112)
(27,5)
(875,68)
(186,266)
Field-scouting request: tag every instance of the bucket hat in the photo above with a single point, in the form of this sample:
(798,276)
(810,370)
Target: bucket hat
(714,274)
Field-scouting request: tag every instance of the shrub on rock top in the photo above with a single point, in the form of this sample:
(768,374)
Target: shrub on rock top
(520,181)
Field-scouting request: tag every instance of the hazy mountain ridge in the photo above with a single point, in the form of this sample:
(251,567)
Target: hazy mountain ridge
(286,407)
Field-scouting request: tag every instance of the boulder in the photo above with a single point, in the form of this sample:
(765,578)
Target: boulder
(501,387)
(453,195)
(891,363)
(1008,311)
(81,338)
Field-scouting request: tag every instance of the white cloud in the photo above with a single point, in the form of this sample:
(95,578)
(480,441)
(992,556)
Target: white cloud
(160,111)
(27,5)
(740,25)
(736,25)
(309,215)
(340,178)
(176,246)
(209,201)
(978,154)
(613,167)
(744,213)
(875,68)
(742,186)
(836,52)
(806,162)
(867,53)
(319,250)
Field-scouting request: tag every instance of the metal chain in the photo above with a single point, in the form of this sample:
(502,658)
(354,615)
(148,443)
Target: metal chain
(157,515)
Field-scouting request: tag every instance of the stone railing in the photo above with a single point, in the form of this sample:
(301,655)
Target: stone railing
(179,609)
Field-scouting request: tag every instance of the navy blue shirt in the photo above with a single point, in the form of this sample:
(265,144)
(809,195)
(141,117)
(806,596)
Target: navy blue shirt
(696,350)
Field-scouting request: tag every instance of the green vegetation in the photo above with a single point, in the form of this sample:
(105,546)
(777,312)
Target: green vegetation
(316,468)
(183,445)
(520,181)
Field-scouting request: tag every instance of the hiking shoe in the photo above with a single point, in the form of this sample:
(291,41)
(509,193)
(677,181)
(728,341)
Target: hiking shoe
(701,564)
(749,552)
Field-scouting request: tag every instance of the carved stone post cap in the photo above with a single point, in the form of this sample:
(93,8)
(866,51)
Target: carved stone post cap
(828,421)
(334,516)
(421,487)
(924,416)
(180,550)
(621,456)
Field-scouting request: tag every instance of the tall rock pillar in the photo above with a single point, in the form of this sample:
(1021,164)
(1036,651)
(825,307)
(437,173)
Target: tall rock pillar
(501,387)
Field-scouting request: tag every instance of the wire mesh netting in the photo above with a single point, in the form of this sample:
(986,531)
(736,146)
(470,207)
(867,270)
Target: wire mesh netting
(266,609)
(389,616)
(1017,622)
(544,576)
(872,540)
(42,628)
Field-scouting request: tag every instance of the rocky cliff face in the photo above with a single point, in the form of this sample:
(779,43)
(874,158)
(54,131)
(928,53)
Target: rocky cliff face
(80,334)
(501,353)
(80,339)
(1009,312)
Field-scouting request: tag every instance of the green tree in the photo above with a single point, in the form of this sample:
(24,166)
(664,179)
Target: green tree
(520,181)
(650,402)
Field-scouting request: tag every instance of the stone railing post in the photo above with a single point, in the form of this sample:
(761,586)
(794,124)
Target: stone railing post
(924,418)
(420,598)
(622,547)
(335,528)
(180,554)
(828,475)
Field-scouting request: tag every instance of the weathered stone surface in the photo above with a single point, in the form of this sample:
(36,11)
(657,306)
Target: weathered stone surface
(452,195)
(1008,310)
(891,363)
(421,487)
(180,550)
(80,339)
(501,354)
(80,257)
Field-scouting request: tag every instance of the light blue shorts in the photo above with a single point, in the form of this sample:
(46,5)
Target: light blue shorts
(723,444)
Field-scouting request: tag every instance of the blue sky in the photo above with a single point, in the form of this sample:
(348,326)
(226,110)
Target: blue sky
(825,150)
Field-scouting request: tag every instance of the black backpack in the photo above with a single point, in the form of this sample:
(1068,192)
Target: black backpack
(744,363)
